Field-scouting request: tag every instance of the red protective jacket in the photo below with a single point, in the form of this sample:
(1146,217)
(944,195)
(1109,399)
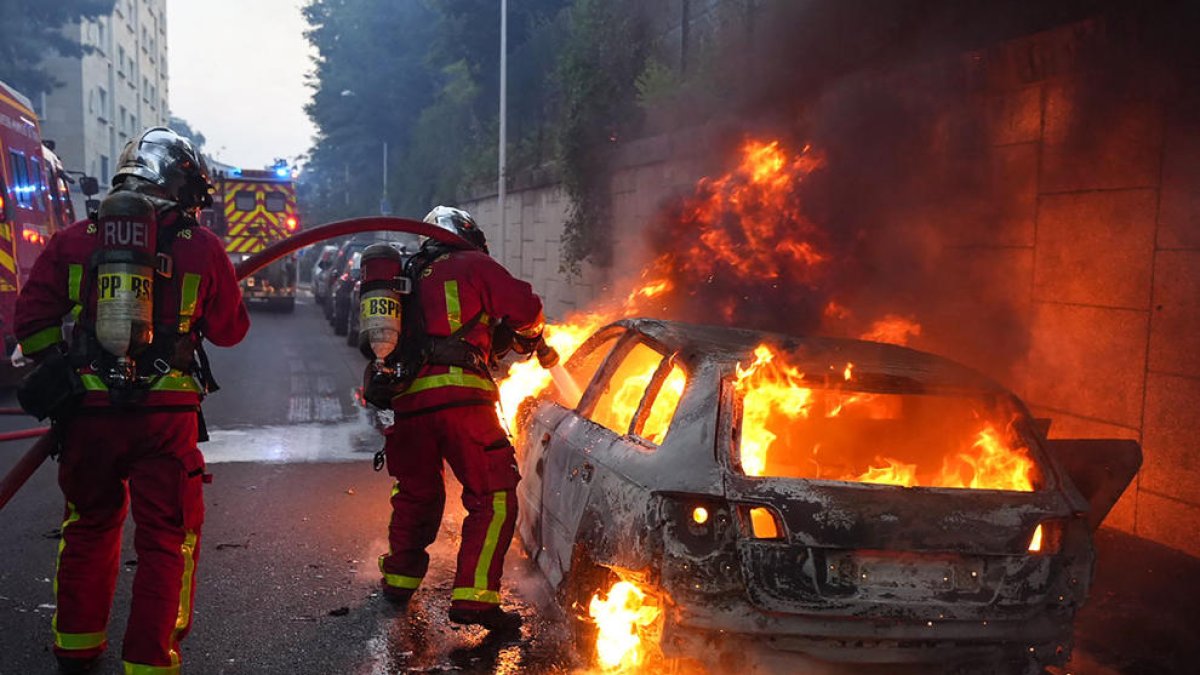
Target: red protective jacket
(455,288)
(202,294)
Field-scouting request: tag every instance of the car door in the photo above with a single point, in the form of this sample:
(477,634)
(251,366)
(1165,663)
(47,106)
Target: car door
(610,413)
(545,456)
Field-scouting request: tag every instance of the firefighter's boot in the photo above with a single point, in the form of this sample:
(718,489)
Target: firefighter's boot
(493,618)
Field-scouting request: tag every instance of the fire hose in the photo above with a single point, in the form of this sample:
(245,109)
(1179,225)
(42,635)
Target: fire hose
(42,449)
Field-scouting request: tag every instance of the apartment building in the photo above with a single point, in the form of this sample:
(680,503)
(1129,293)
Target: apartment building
(116,89)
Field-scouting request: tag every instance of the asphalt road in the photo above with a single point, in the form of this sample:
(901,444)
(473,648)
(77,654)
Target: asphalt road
(288,581)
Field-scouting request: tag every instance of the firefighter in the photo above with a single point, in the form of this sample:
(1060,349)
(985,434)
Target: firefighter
(143,278)
(460,300)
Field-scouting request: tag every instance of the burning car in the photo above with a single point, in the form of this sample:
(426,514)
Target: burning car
(850,501)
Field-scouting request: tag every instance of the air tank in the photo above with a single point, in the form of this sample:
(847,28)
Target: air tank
(383,285)
(127,229)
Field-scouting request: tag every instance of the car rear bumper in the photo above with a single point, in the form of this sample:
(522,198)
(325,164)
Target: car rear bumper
(1043,639)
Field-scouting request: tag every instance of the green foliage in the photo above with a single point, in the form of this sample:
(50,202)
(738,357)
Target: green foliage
(181,126)
(31,30)
(598,71)
(656,83)
(423,76)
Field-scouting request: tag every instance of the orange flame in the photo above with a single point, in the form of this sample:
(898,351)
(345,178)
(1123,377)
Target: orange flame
(771,388)
(623,619)
(527,378)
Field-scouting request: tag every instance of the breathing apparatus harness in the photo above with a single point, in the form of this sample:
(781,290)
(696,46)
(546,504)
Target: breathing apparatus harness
(152,349)
(397,363)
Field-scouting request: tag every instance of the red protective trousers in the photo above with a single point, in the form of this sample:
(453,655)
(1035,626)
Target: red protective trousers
(110,462)
(470,440)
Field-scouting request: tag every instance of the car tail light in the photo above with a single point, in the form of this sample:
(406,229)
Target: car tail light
(291,222)
(761,522)
(1046,538)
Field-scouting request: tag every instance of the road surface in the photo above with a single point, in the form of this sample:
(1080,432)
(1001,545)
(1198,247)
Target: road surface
(288,581)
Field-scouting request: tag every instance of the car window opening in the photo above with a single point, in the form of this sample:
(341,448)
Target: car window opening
(623,391)
(583,366)
(834,429)
(658,406)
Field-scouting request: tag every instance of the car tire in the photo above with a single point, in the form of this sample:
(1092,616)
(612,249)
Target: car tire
(575,595)
(341,320)
(285,305)
(352,338)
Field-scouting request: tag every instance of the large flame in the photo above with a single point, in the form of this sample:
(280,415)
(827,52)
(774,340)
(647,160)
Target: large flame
(623,619)
(772,389)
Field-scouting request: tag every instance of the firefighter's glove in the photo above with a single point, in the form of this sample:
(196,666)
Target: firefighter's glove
(547,356)
(502,341)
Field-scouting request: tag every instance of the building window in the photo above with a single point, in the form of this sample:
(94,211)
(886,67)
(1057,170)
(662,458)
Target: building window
(102,34)
(104,169)
(120,61)
(124,118)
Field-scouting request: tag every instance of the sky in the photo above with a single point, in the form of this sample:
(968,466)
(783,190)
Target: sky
(238,75)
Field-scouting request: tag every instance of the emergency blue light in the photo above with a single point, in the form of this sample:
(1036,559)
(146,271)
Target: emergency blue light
(282,172)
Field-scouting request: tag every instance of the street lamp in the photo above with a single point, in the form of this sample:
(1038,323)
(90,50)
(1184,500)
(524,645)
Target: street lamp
(502,188)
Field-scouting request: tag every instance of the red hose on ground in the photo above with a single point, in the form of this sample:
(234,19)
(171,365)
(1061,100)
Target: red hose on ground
(33,458)
(24,468)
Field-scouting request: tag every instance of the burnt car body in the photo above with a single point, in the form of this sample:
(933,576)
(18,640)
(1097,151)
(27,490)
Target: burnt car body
(846,572)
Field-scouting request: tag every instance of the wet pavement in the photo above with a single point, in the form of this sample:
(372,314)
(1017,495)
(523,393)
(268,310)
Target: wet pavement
(288,581)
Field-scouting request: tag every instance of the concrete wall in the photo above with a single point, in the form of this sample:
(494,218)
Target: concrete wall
(1097,252)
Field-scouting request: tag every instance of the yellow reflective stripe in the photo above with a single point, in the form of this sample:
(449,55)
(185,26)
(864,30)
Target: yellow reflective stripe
(395,488)
(71,641)
(74,282)
(535,329)
(499,514)
(75,288)
(176,382)
(453,306)
(476,595)
(40,340)
(449,380)
(184,618)
(139,669)
(79,641)
(401,581)
(187,301)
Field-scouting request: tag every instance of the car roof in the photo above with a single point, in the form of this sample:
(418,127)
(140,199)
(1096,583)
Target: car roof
(907,369)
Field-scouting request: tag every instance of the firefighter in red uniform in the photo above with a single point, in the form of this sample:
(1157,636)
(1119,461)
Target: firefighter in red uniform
(129,438)
(447,412)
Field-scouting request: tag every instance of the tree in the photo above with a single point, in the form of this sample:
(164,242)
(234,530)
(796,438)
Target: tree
(181,126)
(32,30)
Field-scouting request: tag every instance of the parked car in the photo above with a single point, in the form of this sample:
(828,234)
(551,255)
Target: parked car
(339,295)
(340,262)
(742,498)
(320,269)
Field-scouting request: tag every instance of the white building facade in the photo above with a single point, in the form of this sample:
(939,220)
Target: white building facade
(111,93)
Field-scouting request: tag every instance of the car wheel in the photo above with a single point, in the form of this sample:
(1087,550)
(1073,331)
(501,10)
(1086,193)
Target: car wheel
(341,320)
(352,338)
(285,305)
(585,579)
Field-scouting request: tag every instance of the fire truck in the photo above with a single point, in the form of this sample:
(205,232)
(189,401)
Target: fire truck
(253,209)
(35,202)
